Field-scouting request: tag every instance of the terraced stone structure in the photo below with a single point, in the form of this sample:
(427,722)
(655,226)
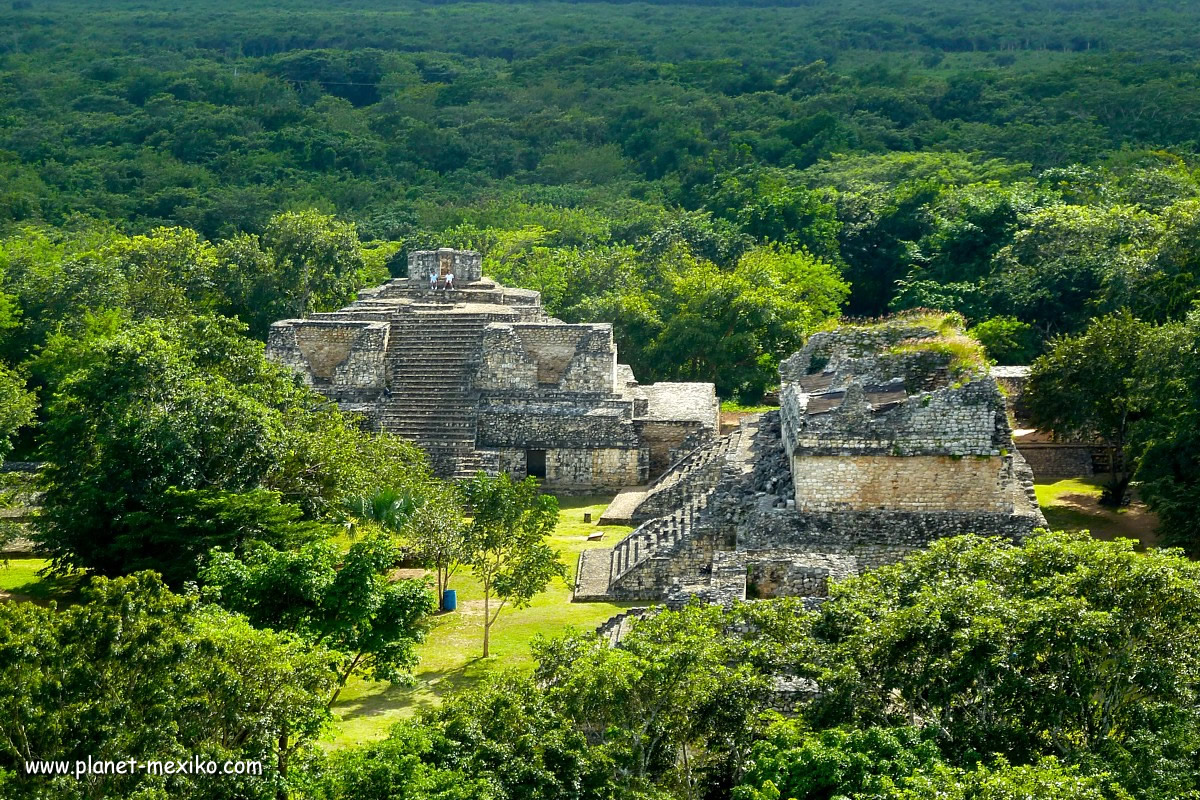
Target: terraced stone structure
(482,377)
(889,437)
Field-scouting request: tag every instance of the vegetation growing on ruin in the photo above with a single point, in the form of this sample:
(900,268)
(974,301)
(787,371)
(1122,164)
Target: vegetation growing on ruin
(963,357)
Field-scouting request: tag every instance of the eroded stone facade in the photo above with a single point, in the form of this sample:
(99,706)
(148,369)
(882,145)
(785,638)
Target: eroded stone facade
(482,378)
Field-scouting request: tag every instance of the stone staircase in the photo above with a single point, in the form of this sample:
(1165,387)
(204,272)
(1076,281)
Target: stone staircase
(434,355)
(696,471)
(656,537)
(687,490)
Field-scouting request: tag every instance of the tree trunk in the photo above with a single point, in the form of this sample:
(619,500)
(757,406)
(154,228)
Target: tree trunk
(1118,482)
(441,590)
(487,617)
(283,761)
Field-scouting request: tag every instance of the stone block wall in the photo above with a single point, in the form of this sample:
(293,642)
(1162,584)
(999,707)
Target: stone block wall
(548,357)
(332,353)
(913,483)
(872,538)
(542,427)
(1051,460)
(689,562)
(666,441)
(961,421)
(592,468)
(467,265)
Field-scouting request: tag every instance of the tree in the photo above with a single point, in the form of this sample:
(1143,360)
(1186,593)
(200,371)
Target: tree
(734,327)
(1165,441)
(155,427)
(1065,646)
(505,544)
(399,768)
(790,762)
(346,603)
(437,531)
(895,764)
(676,702)
(695,321)
(1054,272)
(134,671)
(1006,340)
(303,262)
(17,407)
(1084,386)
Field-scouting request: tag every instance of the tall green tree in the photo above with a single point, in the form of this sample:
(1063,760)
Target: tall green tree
(505,543)
(164,418)
(1084,386)
(304,261)
(1065,646)
(1165,441)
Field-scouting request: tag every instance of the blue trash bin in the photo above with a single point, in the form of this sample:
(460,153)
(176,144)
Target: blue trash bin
(449,600)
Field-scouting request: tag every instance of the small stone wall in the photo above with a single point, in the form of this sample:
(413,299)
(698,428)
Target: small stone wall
(541,428)
(953,421)
(691,560)
(872,538)
(666,441)
(1050,460)
(549,357)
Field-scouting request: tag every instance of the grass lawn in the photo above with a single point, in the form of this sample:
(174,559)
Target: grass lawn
(451,657)
(1073,505)
(19,580)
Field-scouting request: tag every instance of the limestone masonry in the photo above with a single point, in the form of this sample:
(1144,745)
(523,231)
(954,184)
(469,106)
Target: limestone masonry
(887,438)
(482,378)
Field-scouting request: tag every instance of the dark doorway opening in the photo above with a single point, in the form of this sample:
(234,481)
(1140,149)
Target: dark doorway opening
(535,463)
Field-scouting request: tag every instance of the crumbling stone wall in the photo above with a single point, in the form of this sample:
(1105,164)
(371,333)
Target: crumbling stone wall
(957,421)
(1053,460)
(548,357)
(334,353)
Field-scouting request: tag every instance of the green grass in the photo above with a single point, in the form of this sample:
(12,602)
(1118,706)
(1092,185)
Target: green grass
(1073,505)
(20,577)
(733,407)
(451,658)
(17,574)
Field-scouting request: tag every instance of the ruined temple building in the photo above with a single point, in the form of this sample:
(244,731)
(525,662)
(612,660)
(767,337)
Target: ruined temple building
(482,378)
(889,437)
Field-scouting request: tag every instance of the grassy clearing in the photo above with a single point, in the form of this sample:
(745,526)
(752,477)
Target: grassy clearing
(1074,505)
(19,580)
(451,657)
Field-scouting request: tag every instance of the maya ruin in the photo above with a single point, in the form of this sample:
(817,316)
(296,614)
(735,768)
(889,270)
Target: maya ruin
(888,437)
(482,378)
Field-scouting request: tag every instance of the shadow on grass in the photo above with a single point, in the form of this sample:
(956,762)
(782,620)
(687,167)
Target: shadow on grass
(44,589)
(426,693)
